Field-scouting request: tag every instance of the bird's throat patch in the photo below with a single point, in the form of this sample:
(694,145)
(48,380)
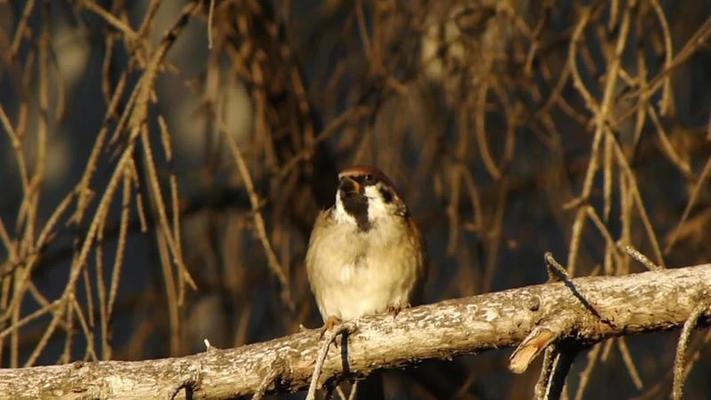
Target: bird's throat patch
(356,205)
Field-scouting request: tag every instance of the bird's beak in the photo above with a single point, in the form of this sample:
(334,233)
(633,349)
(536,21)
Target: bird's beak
(349,186)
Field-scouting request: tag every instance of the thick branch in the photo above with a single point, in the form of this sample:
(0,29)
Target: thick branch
(629,304)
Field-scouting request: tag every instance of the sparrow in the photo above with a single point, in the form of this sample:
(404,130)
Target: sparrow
(366,254)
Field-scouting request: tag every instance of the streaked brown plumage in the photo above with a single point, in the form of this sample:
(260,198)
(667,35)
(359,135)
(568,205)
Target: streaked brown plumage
(366,255)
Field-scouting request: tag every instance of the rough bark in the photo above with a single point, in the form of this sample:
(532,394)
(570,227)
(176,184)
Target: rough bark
(635,303)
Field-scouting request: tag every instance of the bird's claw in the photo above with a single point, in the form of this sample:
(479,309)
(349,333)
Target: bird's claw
(394,310)
(329,324)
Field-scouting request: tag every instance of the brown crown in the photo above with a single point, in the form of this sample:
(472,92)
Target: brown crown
(360,170)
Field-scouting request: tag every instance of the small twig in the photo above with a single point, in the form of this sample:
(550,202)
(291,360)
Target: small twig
(210,15)
(692,45)
(352,114)
(539,390)
(629,363)
(259,224)
(559,368)
(21,28)
(576,234)
(637,202)
(705,173)
(346,327)
(30,317)
(354,391)
(679,360)
(111,20)
(634,253)
(556,270)
(593,357)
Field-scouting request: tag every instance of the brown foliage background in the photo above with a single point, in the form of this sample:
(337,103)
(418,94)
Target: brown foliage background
(163,161)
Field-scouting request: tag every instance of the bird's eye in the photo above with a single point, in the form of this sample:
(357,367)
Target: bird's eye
(369,178)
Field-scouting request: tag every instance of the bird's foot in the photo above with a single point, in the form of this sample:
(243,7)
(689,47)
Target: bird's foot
(330,322)
(395,309)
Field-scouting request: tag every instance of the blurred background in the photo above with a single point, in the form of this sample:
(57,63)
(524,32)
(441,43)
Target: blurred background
(162,163)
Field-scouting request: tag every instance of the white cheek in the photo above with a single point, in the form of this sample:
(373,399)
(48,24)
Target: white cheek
(376,206)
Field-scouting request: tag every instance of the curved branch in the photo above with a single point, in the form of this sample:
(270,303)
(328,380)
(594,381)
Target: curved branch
(636,303)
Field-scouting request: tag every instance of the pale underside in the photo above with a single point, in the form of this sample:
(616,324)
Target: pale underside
(355,273)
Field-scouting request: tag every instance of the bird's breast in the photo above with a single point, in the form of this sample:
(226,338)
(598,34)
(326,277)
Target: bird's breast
(354,274)
(349,271)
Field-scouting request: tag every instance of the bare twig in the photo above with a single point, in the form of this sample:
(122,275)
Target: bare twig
(272,260)
(342,329)
(679,359)
(634,253)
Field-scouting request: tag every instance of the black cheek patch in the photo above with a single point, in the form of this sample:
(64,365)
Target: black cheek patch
(387,195)
(357,206)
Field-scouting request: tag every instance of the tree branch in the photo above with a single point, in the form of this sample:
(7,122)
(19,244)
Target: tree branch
(635,303)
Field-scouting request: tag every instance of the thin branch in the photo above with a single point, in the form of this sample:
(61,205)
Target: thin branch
(342,329)
(259,225)
(679,360)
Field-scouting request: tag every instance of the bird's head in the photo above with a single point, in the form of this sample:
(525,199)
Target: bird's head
(366,197)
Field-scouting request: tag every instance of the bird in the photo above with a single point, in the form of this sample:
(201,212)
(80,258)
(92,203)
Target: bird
(366,255)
